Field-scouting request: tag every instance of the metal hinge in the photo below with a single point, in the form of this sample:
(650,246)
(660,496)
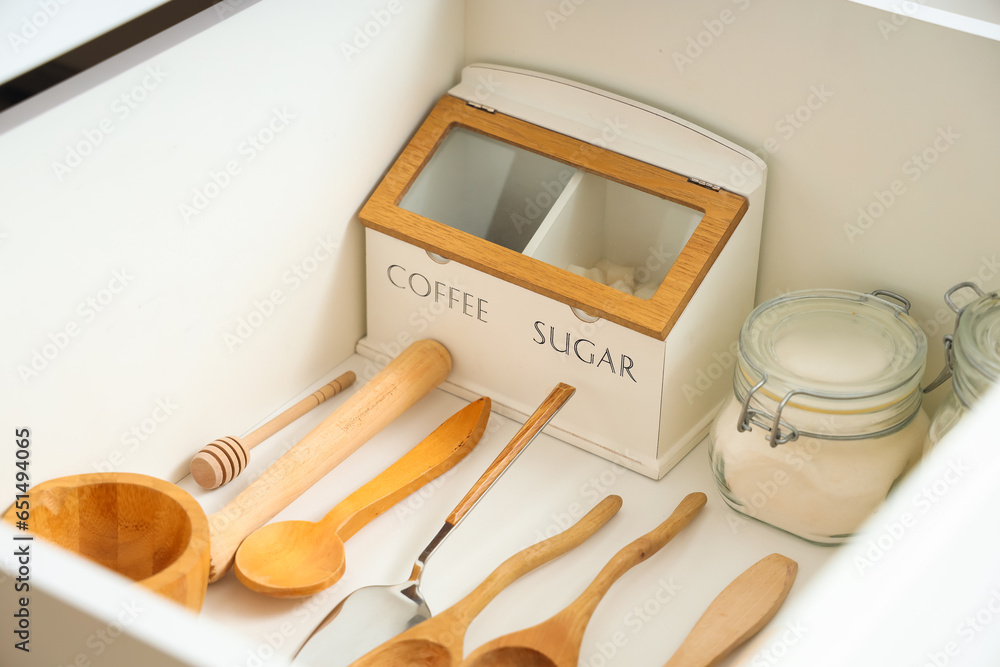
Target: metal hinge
(705,184)
(481,107)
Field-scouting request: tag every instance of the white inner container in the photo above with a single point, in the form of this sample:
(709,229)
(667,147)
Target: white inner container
(548,210)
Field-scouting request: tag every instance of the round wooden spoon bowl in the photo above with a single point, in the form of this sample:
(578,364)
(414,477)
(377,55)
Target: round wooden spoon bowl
(521,656)
(144,528)
(311,558)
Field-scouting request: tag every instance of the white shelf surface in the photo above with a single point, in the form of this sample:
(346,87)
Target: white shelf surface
(906,602)
(976,17)
(648,611)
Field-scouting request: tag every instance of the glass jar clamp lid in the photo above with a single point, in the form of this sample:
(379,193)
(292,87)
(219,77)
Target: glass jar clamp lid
(826,411)
(972,356)
(829,357)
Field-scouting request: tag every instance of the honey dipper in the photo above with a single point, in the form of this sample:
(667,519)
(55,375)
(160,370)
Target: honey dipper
(221,461)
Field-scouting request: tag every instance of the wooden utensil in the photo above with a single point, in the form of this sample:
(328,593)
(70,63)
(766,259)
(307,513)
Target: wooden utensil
(144,528)
(297,558)
(738,613)
(438,641)
(405,380)
(556,642)
(371,615)
(221,461)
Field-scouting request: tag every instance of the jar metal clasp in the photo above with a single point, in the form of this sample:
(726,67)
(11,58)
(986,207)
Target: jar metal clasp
(750,416)
(781,432)
(949,339)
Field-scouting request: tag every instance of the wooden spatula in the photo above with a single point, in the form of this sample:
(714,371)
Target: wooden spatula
(737,613)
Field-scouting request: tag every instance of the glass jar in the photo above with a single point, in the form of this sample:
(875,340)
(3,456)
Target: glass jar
(826,411)
(972,357)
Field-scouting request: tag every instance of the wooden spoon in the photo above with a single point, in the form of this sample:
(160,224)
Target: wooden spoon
(296,558)
(556,642)
(438,641)
(372,615)
(737,613)
(405,380)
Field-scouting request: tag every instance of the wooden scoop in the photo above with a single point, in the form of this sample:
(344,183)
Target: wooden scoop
(140,504)
(556,642)
(372,615)
(738,613)
(296,558)
(438,641)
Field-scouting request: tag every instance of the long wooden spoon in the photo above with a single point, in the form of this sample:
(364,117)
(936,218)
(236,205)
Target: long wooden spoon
(372,615)
(738,613)
(296,558)
(405,380)
(556,642)
(438,641)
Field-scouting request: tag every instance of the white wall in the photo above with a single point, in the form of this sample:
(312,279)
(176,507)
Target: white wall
(883,88)
(158,365)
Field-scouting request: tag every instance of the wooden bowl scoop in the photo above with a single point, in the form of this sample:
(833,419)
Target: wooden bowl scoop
(110,529)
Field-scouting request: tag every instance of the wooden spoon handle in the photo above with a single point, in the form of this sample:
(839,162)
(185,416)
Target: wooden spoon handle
(515,567)
(532,427)
(435,455)
(406,379)
(578,613)
(738,613)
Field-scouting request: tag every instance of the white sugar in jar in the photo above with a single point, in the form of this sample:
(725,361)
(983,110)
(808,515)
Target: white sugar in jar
(826,412)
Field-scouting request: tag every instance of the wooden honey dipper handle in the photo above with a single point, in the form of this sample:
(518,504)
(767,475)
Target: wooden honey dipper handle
(221,461)
(406,379)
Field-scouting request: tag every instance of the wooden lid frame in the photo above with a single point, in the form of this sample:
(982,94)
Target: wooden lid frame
(722,212)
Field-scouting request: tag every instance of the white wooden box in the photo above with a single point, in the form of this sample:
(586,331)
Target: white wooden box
(516,177)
